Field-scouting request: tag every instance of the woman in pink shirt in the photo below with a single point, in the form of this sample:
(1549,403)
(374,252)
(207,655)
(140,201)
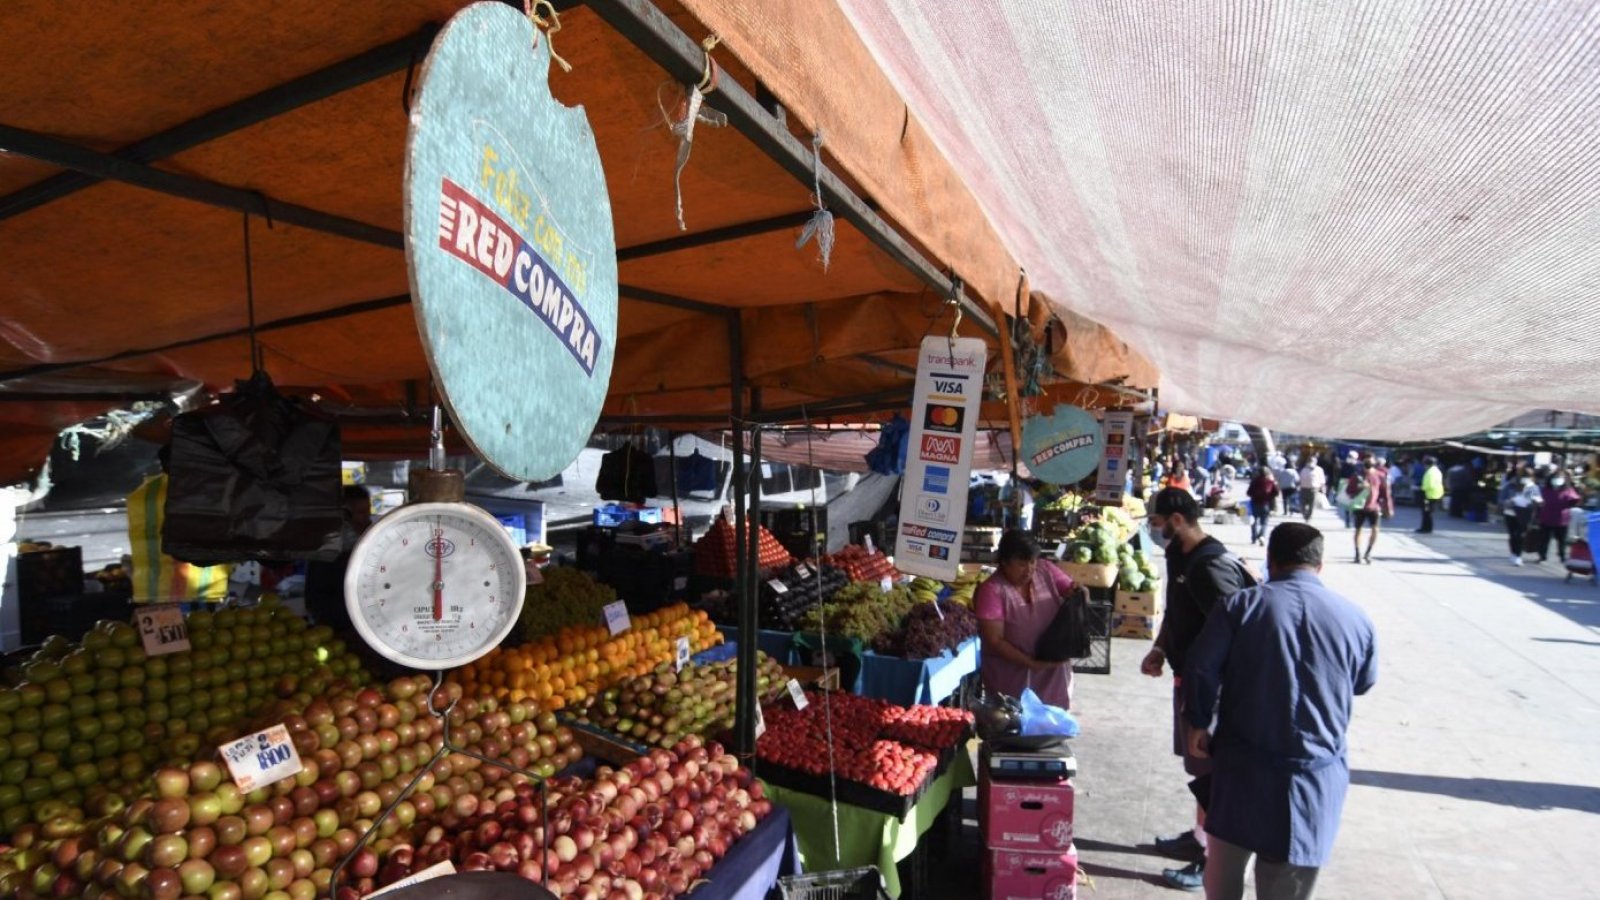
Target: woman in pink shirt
(1014,606)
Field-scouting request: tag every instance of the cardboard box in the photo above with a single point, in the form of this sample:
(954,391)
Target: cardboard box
(1091,574)
(1135,626)
(1021,875)
(1026,815)
(1143,603)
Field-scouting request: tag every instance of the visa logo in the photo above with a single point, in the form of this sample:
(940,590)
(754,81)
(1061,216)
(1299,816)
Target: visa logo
(949,387)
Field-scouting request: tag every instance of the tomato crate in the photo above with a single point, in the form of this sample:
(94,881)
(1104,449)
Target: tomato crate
(854,792)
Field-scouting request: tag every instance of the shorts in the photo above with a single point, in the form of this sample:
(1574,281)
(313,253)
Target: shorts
(1362,517)
(1180,736)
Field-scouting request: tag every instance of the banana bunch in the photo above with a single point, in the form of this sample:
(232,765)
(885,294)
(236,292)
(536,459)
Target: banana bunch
(965,585)
(925,590)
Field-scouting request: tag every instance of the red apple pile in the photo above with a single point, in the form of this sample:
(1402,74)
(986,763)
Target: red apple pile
(645,831)
(193,832)
(91,720)
(872,742)
(933,727)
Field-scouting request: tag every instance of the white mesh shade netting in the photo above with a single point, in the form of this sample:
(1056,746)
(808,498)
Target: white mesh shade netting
(1374,218)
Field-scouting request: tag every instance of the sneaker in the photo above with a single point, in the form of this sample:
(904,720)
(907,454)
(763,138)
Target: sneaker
(1189,878)
(1516,560)
(1183,846)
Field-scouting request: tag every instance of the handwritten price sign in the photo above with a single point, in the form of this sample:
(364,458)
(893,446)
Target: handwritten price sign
(261,759)
(162,629)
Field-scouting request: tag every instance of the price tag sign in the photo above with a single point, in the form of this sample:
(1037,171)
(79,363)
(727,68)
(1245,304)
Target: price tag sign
(1061,551)
(798,694)
(161,628)
(434,871)
(887,584)
(681,583)
(761,723)
(261,759)
(803,570)
(617,617)
(778,587)
(683,653)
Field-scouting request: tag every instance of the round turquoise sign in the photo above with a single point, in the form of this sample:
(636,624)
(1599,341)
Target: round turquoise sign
(510,246)
(1063,447)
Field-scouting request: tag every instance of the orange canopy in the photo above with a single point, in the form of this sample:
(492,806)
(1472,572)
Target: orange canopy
(119,288)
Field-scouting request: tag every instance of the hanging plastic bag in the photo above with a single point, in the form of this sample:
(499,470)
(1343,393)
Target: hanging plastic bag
(253,476)
(1040,718)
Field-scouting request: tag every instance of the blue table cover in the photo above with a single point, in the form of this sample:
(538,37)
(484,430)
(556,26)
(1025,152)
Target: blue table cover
(777,644)
(910,681)
(752,866)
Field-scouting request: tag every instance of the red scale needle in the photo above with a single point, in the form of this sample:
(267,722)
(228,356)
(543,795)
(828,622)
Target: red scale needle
(438,574)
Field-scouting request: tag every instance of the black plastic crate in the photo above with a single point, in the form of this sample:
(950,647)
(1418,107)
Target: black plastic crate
(42,574)
(1098,662)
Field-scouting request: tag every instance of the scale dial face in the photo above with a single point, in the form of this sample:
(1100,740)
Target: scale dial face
(435,585)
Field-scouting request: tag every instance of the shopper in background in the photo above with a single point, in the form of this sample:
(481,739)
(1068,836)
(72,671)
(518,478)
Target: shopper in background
(1276,669)
(1432,492)
(1350,468)
(1200,572)
(1014,607)
(1178,475)
(1459,482)
(1379,505)
(1557,497)
(1289,488)
(1263,494)
(1519,495)
(1313,482)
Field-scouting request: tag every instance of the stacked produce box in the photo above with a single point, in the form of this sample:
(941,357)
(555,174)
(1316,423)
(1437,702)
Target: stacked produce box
(1139,602)
(1027,828)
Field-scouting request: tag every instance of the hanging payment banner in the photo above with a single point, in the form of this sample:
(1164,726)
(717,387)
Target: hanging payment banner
(944,424)
(510,245)
(1062,448)
(1118,456)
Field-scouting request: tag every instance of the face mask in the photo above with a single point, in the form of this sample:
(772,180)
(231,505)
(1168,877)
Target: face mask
(1558,482)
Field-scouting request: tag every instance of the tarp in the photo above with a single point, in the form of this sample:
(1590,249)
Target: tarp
(125,285)
(1373,218)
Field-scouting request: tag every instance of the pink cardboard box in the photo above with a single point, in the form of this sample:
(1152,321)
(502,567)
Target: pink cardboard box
(1021,875)
(1026,815)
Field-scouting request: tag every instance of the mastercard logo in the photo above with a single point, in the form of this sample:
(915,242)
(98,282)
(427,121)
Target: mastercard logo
(944,415)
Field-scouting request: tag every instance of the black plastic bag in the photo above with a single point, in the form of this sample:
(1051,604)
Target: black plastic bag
(254,476)
(1067,635)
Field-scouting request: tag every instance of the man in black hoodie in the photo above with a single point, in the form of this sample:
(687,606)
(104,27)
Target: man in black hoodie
(1200,573)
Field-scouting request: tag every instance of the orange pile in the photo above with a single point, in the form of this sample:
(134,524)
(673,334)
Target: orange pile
(576,662)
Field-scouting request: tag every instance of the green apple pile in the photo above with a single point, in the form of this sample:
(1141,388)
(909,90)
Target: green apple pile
(664,707)
(191,832)
(91,720)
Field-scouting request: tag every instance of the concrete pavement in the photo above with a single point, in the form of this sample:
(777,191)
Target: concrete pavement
(1475,761)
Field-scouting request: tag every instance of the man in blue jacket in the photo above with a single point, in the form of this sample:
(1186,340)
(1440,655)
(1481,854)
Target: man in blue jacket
(1276,668)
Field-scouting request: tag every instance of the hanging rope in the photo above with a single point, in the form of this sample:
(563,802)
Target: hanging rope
(549,26)
(257,359)
(821,224)
(686,113)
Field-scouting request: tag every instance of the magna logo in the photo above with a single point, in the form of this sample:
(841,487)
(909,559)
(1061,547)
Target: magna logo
(941,448)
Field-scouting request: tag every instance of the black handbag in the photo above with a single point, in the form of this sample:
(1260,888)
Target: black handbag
(1067,636)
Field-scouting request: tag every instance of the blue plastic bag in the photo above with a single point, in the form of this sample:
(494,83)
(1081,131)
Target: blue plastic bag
(1039,717)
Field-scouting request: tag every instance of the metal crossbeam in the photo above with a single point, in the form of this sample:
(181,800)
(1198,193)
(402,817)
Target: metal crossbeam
(112,168)
(253,110)
(649,29)
(351,309)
